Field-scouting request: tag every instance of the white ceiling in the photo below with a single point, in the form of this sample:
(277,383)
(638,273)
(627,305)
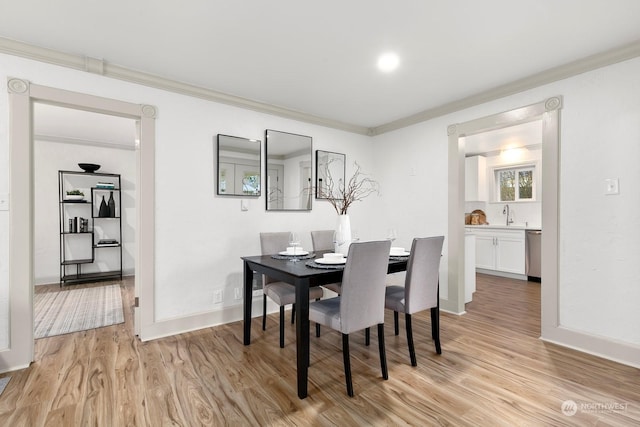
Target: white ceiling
(319,57)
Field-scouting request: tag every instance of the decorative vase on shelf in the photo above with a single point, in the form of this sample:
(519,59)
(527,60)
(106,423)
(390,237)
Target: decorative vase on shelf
(104,209)
(342,235)
(112,206)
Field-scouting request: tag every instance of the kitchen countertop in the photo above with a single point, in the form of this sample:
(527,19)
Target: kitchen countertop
(504,227)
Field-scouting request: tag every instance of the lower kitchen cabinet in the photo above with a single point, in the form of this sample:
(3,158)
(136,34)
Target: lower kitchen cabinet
(500,250)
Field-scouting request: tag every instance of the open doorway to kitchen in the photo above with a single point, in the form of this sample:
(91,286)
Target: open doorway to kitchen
(547,112)
(22,97)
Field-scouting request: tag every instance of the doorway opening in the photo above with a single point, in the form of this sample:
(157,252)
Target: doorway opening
(22,97)
(547,112)
(66,254)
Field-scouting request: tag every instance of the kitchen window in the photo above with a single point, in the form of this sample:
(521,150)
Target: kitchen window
(515,184)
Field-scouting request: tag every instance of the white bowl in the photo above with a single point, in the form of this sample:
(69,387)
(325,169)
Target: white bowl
(333,256)
(396,251)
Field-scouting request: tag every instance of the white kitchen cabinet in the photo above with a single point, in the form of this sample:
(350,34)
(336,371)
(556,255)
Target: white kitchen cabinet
(475,179)
(500,249)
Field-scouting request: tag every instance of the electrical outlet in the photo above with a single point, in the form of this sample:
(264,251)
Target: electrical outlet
(612,186)
(218,296)
(237,293)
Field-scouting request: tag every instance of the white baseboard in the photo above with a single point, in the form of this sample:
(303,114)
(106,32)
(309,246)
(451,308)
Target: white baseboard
(617,351)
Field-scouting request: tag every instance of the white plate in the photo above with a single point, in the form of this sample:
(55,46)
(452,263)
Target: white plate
(399,253)
(297,253)
(330,261)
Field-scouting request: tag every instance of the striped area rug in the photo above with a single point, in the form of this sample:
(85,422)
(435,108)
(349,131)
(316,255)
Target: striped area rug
(65,311)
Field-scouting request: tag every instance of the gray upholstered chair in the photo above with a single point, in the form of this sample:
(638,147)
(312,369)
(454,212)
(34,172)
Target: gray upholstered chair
(280,292)
(420,291)
(323,241)
(361,303)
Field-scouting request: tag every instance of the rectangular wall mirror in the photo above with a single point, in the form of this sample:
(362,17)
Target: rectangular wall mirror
(238,166)
(329,174)
(289,184)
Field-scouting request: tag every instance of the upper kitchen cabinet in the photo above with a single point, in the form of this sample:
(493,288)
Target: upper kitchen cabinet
(475,187)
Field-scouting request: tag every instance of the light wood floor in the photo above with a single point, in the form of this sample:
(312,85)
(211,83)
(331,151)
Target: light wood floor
(493,371)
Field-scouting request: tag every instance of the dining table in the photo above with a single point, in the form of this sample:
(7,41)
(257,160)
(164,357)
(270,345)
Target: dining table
(299,273)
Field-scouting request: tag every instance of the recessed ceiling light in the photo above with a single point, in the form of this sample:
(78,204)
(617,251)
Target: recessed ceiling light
(388,62)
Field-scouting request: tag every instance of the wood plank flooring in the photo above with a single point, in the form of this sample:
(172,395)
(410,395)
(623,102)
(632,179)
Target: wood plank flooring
(493,371)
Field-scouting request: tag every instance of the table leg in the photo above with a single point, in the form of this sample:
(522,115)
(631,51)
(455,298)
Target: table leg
(247,297)
(302,335)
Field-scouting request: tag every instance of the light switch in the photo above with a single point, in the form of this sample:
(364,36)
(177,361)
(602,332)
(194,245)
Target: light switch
(612,186)
(4,202)
(244,205)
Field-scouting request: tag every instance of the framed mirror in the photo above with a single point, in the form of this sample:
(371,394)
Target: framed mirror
(239,163)
(330,171)
(288,171)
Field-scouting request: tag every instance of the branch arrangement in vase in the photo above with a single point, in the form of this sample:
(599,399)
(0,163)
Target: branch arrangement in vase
(342,195)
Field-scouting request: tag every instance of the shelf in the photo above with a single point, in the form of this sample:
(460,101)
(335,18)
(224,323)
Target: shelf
(77,261)
(100,185)
(91,277)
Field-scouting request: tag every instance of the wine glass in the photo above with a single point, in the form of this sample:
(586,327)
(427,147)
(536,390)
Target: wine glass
(294,242)
(391,234)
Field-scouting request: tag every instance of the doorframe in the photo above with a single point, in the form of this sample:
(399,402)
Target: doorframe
(549,112)
(22,95)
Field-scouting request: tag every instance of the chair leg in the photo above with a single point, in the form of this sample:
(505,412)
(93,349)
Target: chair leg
(282,326)
(318,324)
(293,314)
(347,363)
(383,354)
(264,312)
(435,328)
(367,336)
(395,323)
(412,350)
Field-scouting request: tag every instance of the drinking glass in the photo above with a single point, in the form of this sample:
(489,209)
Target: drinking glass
(391,234)
(294,242)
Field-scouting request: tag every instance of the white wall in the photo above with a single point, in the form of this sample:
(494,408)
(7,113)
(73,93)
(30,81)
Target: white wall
(599,237)
(49,157)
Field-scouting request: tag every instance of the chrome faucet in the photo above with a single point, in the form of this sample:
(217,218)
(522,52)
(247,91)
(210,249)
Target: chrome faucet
(505,211)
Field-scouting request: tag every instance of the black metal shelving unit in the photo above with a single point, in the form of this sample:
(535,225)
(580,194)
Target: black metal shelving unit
(73,268)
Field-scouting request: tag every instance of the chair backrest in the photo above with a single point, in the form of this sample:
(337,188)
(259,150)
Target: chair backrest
(272,243)
(423,266)
(322,240)
(363,285)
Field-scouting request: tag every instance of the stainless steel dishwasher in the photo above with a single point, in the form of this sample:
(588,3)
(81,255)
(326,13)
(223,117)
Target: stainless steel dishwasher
(533,255)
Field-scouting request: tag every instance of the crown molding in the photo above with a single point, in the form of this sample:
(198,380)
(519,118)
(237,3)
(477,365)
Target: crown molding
(623,53)
(101,67)
(104,68)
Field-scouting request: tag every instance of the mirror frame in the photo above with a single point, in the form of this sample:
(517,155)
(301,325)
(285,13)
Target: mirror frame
(320,167)
(270,133)
(258,166)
